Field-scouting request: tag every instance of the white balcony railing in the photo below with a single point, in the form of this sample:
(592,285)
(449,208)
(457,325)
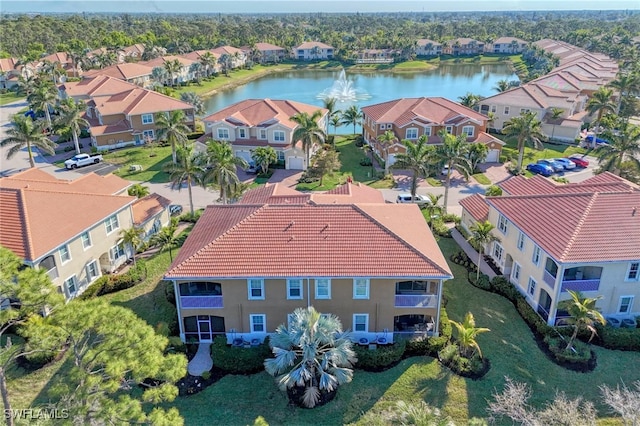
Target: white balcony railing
(416,301)
(199,302)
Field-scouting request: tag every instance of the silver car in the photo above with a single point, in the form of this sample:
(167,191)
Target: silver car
(566,163)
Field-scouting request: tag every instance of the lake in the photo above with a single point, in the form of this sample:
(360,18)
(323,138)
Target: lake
(449,81)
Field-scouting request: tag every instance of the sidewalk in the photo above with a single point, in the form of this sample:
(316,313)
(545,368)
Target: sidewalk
(472,253)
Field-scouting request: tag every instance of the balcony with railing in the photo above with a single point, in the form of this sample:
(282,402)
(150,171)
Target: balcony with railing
(416,300)
(201,295)
(583,278)
(549,279)
(201,302)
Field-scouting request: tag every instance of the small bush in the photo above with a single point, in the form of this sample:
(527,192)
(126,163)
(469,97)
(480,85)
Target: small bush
(624,339)
(206,375)
(188,217)
(474,367)
(176,345)
(451,218)
(501,285)
(194,135)
(493,191)
(582,354)
(531,317)
(111,283)
(440,229)
(381,358)
(239,360)
(366,162)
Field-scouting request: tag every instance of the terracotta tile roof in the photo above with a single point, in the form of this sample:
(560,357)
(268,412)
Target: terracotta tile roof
(274,194)
(90,183)
(425,41)
(368,240)
(476,206)
(312,44)
(578,227)
(605,182)
(123,71)
(228,50)
(197,54)
(508,40)
(147,207)
(437,111)
(122,126)
(485,138)
(138,101)
(161,60)
(102,85)
(7,64)
(61,57)
(14,234)
(608,177)
(349,193)
(265,47)
(535,96)
(255,112)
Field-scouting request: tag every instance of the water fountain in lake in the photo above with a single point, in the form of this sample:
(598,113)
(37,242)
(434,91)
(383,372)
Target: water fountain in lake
(343,91)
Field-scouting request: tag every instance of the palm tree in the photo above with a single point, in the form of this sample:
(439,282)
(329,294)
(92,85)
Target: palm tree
(469,100)
(352,115)
(525,128)
(173,67)
(44,98)
(600,103)
(263,157)
(481,236)
(138,190)
(166,238)
(454,153)
(625,84)
(193,99)
(432,207)
(335,121)
(623,146)
(171,128)
(133,238)
(501,86)
(221,165)
(25,132)
(330,104)
(416,159)
(387,139)
(467,333)
(159,75)
(208,61)
(556,113)
(311,353)
(582,314)
(71,112)
(308,131)
(189,170)
(195,69)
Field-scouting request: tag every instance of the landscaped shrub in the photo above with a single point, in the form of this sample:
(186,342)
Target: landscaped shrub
(111,283)
(501,285)
(462,231)
(483,282)
(381,358)
(176,345)
(366,162)
(440,229)
(474,367)
(188,217)
(530,316)
(579,359)
(194,135)
(451,218)
(239,360)
(624,339)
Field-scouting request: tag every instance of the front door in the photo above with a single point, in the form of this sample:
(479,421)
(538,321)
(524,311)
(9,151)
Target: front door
(204,330)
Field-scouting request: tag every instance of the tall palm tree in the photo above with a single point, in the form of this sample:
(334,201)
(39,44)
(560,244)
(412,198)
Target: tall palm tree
(26,132)
(166,238)
(313,353)
(387,139)
(308,131)
(623,146)
(138,190)
(330,104)
(467,334)
(222,166)
(133,238)
(263,157)
(481,236)
(335,122)
(601,103)
(416,158)
(469,100)
(193,99)
(188,170)
(44,98)
(352,115)
(454,153)
(501,86)
(208,61)
(626,84)
(582,314)
(432,207)
(525,128)
(173,67)
(554,115)
(159,75)
(171,127)
(71,117)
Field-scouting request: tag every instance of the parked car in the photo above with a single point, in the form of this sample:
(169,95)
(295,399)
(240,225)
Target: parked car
(566,163)
(579,161)
(175,209)
(540,169)
(82,160)
(406,198)
(555,165)
(252,169)
(445,170)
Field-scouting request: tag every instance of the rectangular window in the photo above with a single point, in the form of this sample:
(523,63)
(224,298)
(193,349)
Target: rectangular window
(361,322)
(532,286)
(633,274)
(493,109)
(280,155)
(147,118)
(92,271)
(86,240)
(449,129)
(427,130)
(117,251)
(360,288)
(497,252)
(256,289)
(70,286)
(515,272)
(111,224)
(536,255)
(502,224)
(294,289)
(524,110)
(65,254)
(506,110)
(323,288)
(148,135)
(242,133)
(263,134)
(278,136)
(521,241)
(626,304)
(468,130)
(412,133)
(223,133)
(258,323)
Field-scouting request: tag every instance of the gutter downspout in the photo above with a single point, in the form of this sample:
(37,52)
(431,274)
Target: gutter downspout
(178,306)
(308,293)
(436,331)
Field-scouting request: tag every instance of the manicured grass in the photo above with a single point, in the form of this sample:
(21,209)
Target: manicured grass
(434,181)
(9,97)
(151,165)
(531,155)
(481,179)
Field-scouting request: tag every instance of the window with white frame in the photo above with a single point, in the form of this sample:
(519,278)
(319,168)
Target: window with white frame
(361,322)
(294,288)
(506,110)
(427,131)
(502,224)
(280,155)
(263,134)
(223,133)
(278,136)
(449,129)
(111,223)
(626,304)
(258,323)
(494,109)
(70,286)
(256,289)
(242,133)
(147,118)
(536,255)
(117,251)
(86,240)
(524,110)
(520,243)
(323,288)
(148,135)
(92,271)
(515,273)
(532,286)
(361,288)
(468,130)
(498,251)
(633,273)
(65,254)
(412,133)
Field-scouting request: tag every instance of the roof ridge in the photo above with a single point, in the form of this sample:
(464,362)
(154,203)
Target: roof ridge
(578,227)
(528,88)
(74,193)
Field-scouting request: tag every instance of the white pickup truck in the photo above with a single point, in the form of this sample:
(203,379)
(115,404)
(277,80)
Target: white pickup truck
(82,160)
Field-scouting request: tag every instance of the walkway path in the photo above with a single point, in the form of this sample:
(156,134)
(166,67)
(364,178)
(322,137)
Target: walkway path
(202,361)
(472,253)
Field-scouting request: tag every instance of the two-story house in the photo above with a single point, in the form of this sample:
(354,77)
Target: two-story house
(463,46)
(263,122)
(9,72)
(312,50)
(509,45)
(411,118)
(135,73)
(264,53)
(376,56)
(210,66)
(426,47)
(237,57)
(182,74)
(554,238)
(246,266)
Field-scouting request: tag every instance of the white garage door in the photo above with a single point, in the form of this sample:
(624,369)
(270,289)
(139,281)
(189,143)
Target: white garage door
(493,156)
(392,159)
(296,163)
(246,155)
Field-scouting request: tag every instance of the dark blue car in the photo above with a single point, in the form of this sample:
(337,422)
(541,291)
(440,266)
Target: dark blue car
(540,169)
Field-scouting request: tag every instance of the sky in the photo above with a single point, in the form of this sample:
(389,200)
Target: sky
(305,6)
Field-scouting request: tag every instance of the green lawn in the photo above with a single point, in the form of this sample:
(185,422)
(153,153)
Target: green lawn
(9,97)
(481,179)
(151,160)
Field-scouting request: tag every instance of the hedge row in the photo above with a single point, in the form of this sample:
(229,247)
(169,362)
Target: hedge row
(115,282)
(382,358)
(239,360)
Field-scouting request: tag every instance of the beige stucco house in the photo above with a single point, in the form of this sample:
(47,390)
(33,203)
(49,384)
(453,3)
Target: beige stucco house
(311,50)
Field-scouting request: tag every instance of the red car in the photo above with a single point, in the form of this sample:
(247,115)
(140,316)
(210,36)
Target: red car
(580,161)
